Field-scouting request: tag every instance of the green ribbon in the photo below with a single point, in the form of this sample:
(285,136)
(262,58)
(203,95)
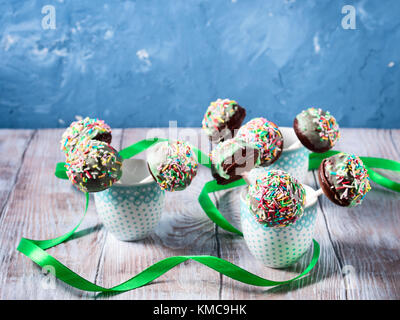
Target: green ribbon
(315,160)
(211,210)
(35,249)
(61,171)
(139,147)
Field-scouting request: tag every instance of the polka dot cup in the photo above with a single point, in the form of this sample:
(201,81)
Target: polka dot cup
(131,210)
(279,247)
(293,160)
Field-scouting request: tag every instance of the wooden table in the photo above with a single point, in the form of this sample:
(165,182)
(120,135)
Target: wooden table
(360,247)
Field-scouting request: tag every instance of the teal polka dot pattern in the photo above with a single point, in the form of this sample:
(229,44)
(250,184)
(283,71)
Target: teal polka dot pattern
(294,162)
(278,247)
(130,212)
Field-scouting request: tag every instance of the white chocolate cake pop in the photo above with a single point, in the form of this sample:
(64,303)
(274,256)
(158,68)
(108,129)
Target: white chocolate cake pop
(85,129)
(172,165)
(276,199)
(94,166)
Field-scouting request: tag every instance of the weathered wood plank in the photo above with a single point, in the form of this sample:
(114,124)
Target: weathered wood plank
(345,270)
(366,238)
(360,247)
(395,138)
(325,282)
(183,230)
(42,207)
(13,144)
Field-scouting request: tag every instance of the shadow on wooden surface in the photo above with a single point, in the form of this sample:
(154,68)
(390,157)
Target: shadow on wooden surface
(360,251)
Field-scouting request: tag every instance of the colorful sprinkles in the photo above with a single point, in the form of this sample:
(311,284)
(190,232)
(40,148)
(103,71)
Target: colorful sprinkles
(264,135)
(324,123)
(349,178)
(82,130)
(218,113)
(276,199)
(173,165)
(93,166)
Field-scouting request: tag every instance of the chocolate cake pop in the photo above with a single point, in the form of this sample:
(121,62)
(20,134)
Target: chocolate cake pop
(172,165)
(265,136)
(231,159)
(222,118)
(317,130)
(276,199)
(88,128)
(94,166)
(344,179)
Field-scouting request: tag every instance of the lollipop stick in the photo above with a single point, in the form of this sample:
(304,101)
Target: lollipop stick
(310,200)
(245,176)
(295,145)
(318,192)
(147,179)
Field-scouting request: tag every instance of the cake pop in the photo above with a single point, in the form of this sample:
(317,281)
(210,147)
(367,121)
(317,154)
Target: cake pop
(85,129)
(316,129)
(231,159)
(276,199)
(172,165)
(222,118)
(344,179)
(93,166)
(265,136)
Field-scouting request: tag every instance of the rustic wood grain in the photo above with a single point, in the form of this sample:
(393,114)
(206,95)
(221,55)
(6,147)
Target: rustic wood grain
(13,144)
(360,247)
(346,268)
(184,229)
(42,207)
(366,237)
(325,282)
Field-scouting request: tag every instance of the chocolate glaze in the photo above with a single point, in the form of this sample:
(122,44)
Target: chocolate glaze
(105,137)
(328,188)
(229,129)
(148,167)
(94,165)
(315,147)
(232,168)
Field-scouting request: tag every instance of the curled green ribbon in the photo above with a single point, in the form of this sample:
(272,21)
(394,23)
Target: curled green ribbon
(35,249)
(211,210)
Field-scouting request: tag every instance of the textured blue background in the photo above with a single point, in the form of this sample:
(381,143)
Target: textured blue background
(143,63)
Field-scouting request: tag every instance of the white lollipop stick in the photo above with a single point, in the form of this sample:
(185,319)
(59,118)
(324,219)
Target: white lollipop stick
(245,176)
(295,145)
(318,192)
(310,200)
(147,179)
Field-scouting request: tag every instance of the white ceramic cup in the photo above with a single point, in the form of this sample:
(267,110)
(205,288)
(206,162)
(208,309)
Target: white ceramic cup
(293,160)
(279,247)
(131,210)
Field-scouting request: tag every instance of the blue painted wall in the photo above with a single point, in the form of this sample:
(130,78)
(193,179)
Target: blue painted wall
(143,63)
